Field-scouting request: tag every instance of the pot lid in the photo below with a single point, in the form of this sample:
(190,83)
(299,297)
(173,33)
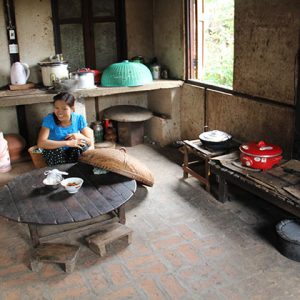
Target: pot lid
(214,136)
(82,73)
(84,70)
(52,64)
(261,149)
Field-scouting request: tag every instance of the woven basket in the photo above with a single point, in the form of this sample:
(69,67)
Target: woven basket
(126,73)
(118,161)
(37,158)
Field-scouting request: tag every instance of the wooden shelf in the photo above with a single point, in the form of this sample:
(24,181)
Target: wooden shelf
(32,96)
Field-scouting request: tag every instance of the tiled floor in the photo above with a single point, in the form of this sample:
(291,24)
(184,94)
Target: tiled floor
(186,245)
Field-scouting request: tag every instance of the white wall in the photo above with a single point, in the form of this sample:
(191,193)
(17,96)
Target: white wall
(4,56)
(35,33)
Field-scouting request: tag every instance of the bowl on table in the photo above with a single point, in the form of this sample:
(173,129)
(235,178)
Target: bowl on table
(72,184)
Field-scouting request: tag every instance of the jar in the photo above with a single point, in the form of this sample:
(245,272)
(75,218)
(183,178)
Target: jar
(155,70)
(98,132)
(5,165)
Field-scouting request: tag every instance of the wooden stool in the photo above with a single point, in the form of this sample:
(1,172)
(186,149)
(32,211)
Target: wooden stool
(54,253)
(107,235)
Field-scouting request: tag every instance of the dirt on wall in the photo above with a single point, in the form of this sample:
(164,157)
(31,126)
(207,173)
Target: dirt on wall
(249,120)
(266,45)
(168,27)
(139,27)
(192,108)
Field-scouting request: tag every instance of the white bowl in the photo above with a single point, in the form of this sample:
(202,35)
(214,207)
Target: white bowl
(72,184)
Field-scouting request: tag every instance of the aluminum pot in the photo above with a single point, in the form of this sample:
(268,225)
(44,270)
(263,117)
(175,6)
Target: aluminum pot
(85,79)
(96,73)
(260,155)
(54,71)
(215,139)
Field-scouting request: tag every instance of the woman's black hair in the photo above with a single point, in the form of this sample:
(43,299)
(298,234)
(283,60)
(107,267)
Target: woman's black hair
(64,96)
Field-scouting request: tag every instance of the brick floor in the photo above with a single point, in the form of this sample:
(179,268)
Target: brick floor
(186,245)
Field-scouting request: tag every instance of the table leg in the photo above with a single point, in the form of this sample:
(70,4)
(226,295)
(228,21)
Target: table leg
(223,190)
(121,214)
(185,161)
(207,174)
(34,235)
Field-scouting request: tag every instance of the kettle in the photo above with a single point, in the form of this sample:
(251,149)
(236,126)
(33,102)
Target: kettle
(19,73)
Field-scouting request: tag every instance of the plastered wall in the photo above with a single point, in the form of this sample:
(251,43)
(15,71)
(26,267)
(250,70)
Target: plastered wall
(168,30)
(192,111)
(266,45)
(35,33)
(4,57)
(250,120)
(139,24)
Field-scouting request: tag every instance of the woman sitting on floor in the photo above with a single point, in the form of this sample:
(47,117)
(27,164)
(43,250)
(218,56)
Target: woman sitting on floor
(64,134)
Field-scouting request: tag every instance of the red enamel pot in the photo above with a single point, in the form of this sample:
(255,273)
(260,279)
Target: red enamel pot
(260,155)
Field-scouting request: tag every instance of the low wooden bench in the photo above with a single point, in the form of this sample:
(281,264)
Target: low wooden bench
(109,233)
(54,253)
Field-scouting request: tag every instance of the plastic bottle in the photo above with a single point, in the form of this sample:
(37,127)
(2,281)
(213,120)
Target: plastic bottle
(5,165)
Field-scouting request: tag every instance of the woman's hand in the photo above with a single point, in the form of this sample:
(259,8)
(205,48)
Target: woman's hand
(76,143)
(73,136)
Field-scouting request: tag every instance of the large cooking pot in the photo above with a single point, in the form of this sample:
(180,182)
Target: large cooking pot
(96,73)
(215,139)
(53,71)
(260,155)
(85,79)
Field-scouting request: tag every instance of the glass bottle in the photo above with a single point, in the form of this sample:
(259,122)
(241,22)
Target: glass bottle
(98,132)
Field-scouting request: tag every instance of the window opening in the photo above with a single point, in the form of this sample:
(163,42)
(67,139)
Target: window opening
(211,41)
(90,33)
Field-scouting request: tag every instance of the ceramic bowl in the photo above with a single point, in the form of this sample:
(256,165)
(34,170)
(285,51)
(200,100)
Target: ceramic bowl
(51,186)
(72,184)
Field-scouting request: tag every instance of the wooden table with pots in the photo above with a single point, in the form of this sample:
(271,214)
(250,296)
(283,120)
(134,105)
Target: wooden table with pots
(204,155)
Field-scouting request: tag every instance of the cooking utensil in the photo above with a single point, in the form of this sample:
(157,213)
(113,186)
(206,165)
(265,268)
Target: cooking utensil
(215,139)
(53,71)
(260,155)
(95,72)
(19,73)
(85,79)
(288,232)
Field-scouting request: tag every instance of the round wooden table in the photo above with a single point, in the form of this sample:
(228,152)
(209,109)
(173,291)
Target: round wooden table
(25,199)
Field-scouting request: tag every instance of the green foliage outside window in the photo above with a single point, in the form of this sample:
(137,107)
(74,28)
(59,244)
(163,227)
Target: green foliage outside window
(218,42)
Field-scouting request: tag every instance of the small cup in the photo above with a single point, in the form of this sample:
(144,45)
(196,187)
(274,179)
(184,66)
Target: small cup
(72,184)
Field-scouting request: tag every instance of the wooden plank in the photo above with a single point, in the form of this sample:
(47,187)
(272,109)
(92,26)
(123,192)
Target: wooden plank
(70,202)
(108,234)
(17,87)
(90,187)
(55,253)
(289,204)
(293,190)
(20,191)
(8,208)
